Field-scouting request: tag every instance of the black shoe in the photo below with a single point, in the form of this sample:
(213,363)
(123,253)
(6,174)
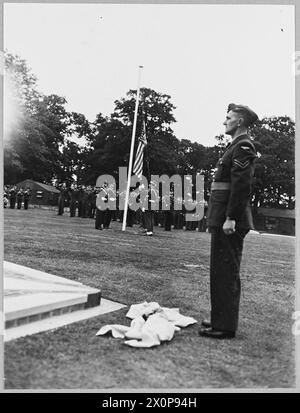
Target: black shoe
(212,333)
(206,324)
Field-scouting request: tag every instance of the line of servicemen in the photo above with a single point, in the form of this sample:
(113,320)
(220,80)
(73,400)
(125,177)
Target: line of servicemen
(14,196)
(84,202)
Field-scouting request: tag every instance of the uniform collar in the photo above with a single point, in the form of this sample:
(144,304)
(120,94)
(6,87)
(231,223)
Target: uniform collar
(236,140)
(240,137)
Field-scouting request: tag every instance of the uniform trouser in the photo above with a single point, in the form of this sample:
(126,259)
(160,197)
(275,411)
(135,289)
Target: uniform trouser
(12,203)
(148,220)
(89,208)
(72,208)
(80,208)
(202,225)
(130,218)
(19,204)
(225,285)
(93,211)
(167,220)
(99,219)
(84,209)
(107,218)
(178,220)
(61,206)
(26,203)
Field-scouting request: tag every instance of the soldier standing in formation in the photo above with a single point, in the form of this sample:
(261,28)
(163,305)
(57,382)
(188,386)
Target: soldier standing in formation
(89,201)
(93,208)
(5,196)
(152,198)
(229,220)
(61,199)
(26,198)
(84,203)
(103,214)
(80,198)
(20,198)
(99,211)
(12,197)
(73,197)
(110,196)
(168,213)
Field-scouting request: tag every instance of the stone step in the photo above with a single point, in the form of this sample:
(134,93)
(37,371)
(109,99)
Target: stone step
(31,295)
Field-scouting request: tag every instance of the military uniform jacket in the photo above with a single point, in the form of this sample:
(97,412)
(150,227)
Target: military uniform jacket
(236,168)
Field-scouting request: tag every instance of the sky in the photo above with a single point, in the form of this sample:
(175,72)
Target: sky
(203,56)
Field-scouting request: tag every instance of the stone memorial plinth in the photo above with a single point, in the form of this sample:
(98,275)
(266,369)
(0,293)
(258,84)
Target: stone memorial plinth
(32,295)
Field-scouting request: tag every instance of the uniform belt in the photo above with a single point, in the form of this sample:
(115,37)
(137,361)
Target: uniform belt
(220,186)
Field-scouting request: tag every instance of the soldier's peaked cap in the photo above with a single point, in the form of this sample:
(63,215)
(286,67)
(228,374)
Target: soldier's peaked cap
(249,115)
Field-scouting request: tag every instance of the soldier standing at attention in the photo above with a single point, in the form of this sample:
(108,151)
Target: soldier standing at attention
(26,198)
(168,213)
(99,211)
(110,196)
(5,196)
(102,198)
(12,197)
(19,198)
(80,200)
(73,201)
(94,196)
(84,202)
(229,220)
(90,195)
(61,199)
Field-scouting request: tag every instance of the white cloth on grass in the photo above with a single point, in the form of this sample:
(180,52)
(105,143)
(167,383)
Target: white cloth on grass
(141,309)
(150,325)
(117,331)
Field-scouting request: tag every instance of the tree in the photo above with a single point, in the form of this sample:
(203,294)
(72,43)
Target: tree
(274,184)
(26,154)
(156,109)
(108,150)
(73,162)
(19,77)
(33,144)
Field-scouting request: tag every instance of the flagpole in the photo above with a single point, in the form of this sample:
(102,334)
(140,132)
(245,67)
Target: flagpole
(131,149)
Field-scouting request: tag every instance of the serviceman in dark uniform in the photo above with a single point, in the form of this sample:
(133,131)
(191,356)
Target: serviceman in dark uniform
(152,199)
(5,196)
(20,198)
(178,215)
(80,198)
(168,214)
(130,218)
(26,197)
(12,197)
(61,199)
(99,210)
(229,220)
(89,202)
(73,197)
(84,202)
(93,209)
(110,197)
(202,223)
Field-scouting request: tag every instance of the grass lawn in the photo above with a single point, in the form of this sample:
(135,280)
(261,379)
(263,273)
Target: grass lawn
(131,268)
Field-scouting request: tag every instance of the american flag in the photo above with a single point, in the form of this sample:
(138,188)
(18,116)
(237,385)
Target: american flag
(139,157)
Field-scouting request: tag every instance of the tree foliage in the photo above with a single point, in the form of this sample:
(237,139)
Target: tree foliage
(38,127)
(275,168)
